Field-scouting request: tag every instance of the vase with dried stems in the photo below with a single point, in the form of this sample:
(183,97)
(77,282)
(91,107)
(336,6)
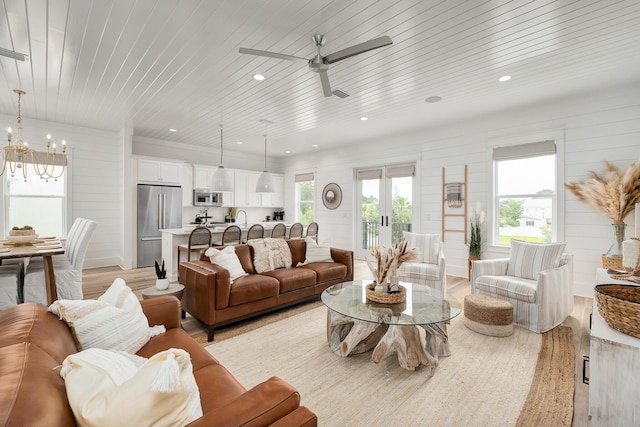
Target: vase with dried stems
(614,193)
(387,262)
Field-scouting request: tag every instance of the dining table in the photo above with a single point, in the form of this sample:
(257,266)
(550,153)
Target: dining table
(40,247)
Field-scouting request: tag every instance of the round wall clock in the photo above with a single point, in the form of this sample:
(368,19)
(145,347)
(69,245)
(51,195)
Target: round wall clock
(332,195)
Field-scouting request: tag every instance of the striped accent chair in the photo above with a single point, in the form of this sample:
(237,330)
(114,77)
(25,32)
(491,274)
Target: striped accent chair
(430,268)
(537,279)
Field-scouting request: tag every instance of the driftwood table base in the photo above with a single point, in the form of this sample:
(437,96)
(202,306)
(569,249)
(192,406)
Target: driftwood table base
(414,345)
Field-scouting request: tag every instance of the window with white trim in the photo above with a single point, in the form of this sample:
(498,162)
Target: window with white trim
(525,193)
(305,196)
(36,202)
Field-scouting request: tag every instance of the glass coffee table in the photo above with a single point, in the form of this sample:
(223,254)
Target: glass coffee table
(416,329)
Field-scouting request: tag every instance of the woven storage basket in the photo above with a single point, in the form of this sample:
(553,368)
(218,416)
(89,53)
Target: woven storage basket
(386,298)
(610,262)
(619,305)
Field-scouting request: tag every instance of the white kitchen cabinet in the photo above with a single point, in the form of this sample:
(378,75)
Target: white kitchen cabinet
(159,171)
(202,176)
(276,199)
(245,189)
(187,185)
(614,361)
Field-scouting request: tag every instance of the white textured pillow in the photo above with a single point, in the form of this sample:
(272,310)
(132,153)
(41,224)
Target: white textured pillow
(527,259)
(113,322)
(269,254)
(316,253)
(228,259)
(108,388)
(427,245)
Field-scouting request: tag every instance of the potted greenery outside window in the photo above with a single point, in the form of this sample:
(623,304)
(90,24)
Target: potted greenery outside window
(477,217)
(162,282)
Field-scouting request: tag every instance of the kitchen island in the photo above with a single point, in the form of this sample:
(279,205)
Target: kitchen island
(172,237)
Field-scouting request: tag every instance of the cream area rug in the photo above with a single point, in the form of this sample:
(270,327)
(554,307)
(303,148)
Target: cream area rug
(485,381)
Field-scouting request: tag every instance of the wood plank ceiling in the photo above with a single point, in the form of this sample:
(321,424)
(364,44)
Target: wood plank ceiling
(156,64)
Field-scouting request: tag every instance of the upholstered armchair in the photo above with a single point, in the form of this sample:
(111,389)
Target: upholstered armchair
(430,268)
(536,278)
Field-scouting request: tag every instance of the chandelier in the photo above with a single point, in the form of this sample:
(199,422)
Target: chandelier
(16,157)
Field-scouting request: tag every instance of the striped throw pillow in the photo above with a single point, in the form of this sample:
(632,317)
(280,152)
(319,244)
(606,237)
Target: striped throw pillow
(527,259)
(427,244)
(113,322)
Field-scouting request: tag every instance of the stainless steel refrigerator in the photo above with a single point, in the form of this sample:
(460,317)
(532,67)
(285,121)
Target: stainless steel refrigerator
(159,206)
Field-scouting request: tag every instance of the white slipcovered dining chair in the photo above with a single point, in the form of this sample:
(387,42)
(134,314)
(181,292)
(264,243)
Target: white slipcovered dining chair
(537,279)
(67,268)
(430,269)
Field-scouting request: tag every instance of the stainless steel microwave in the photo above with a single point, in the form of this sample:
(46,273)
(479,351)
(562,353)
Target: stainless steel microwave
(206,198)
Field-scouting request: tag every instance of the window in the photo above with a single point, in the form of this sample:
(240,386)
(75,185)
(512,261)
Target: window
(525,193)
(305,195)
(38,203)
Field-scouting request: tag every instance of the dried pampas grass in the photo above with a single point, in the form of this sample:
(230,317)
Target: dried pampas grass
(614,193)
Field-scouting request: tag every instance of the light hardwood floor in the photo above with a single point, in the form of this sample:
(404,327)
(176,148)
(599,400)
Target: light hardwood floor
(96,281)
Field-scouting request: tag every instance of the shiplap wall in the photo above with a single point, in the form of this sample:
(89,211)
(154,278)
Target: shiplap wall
(603,125)
(96,174)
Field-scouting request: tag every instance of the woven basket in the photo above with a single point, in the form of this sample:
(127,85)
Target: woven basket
(386,298)
(619,305)
(610,262)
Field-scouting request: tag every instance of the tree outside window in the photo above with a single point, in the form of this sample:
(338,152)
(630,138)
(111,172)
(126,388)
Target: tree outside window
(305,194)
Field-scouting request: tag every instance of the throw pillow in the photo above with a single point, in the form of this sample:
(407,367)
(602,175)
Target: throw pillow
(108,388)
(427,244)
(113,322)
(527,259)
(269,254)
(316,253)
(228,259)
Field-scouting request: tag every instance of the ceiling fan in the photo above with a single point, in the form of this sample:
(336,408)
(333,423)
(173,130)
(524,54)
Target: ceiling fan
(319,63)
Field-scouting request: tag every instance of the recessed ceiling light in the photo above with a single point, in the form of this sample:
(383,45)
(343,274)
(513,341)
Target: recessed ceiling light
(364,119)
(239,142)
(315,145)
(258,77)
(287,152)
(504,79)
(432,99)
(173,130)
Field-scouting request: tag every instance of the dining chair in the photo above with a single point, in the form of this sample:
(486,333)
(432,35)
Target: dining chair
(199,238)
(231,235)
(256,231)
(312,231)
(11,277)
(295,232)
(68,272)
(279,231)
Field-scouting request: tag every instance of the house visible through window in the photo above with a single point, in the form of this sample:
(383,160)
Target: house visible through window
(38,203)
(305,196)
(525,193)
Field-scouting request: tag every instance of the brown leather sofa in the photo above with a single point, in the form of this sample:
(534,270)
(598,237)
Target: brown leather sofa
(34,342)
(211,298)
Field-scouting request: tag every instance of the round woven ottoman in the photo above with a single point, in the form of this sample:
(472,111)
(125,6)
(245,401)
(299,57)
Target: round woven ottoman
(488,316)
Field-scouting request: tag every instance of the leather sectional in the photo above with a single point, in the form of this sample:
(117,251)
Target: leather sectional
(34,342)
(210,297)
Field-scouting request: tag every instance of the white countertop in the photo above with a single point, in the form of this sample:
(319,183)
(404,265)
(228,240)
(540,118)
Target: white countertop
(186,229)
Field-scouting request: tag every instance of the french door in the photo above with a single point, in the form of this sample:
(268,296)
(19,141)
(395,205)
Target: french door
(385,206)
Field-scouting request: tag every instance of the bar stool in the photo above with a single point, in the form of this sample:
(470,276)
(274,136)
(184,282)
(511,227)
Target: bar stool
(256,231)
(231,235)
(199,238)
(279,231)
(312,231)
(295,232)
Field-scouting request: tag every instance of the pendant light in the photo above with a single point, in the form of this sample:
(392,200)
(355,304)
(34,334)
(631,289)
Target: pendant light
(221,179)
(265,183)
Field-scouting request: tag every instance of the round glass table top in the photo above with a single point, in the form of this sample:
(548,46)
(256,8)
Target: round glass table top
(423,306)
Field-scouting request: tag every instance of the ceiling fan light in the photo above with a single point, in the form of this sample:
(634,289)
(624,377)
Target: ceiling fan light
(221,180)
(265,183)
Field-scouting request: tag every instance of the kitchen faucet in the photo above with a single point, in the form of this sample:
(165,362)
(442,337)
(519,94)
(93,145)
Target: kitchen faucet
(245,216)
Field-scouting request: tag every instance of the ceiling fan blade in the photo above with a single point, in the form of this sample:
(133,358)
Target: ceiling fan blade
(326,86)
(358,49)
(271,54)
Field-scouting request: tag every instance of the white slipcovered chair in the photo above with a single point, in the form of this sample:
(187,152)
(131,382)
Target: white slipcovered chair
(537,279)
(11,276)
(67,268)
(430,268)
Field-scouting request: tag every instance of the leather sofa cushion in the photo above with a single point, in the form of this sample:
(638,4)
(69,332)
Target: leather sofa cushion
(33,393)
(292,278)
(178,338)
(326,271)
(253,287)
(217,387)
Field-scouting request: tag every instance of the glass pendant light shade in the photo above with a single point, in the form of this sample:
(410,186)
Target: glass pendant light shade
(221,179)
(265,183)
